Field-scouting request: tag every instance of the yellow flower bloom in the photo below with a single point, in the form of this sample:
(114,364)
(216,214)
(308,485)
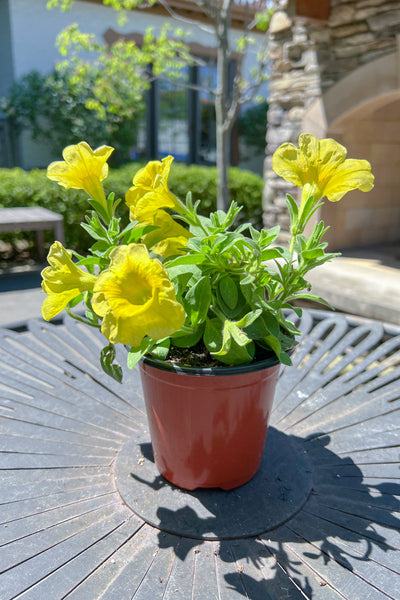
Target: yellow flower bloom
(135,298)
(169,239)
(82,169)
(62,281)
(150,191)
(320,167)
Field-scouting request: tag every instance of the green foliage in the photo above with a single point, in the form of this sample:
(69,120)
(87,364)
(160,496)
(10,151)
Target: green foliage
(121,6)
(32,188)
(245,189)
(234,301)
(168,53)
(224,295)
(120,72)
(107,361)
(54,108)
(263,19)
(233,298)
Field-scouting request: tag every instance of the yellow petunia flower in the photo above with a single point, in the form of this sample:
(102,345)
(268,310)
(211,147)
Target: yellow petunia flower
(150,191)
(62,281)
(83,169)
(320,167)
(135,298)
(169,239)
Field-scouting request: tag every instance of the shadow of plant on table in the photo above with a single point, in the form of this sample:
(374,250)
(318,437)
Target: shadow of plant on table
(345,527)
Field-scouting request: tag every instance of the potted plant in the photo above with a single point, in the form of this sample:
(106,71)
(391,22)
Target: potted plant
(200,303)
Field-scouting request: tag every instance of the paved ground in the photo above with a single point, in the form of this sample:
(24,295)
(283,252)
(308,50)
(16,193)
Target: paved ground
(364,282)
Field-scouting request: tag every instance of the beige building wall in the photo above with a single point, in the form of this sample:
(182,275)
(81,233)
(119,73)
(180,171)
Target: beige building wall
(362,112)
(374,217)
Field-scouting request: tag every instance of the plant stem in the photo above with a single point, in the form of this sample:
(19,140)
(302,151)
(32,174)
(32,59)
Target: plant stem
(292,243)
(81,319)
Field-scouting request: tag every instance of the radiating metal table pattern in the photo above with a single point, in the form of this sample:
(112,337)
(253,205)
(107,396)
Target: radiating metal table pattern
(67,532)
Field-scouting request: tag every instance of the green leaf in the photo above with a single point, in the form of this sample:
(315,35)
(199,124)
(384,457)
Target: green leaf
(227,343)
(109,203)
(243,227)
(257,330)
(289,326)
(285,359)
(228,291)
(75,301)
(113,228)
(213,335)
(271,253)
(272,342)
(295,309)
(190,339)
(130,226)
(217,218)
(136,233)
(300,243)
(247,280)
(197,301)
(238,335)
(293,211)
(313,297)
(92,317)
(312,253)
(271,323)
(266,324)
(249,318)
(161,349)
(225,242)
(255,234)
(93,233)
(180,283)
(101,248)
(188,259)
(180,270)
(231,313)
(286,255)
(268,236)
(248,288)
(94,221)
(135,354)
(90,260)
(107,357)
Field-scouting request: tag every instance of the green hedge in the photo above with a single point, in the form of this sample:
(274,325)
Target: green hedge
(32,188)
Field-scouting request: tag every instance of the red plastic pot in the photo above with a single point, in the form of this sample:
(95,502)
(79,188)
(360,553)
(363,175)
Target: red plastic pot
(208,426)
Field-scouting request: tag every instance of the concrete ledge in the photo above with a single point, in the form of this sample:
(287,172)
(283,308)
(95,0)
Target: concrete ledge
(360,286)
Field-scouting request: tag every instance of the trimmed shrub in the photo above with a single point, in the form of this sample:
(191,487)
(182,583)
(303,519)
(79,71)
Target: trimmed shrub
(32,188)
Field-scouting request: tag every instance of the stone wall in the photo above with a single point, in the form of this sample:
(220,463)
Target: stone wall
(307,59)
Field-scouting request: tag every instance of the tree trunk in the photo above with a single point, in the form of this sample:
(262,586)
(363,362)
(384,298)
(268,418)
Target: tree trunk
(221,106)
(222,142)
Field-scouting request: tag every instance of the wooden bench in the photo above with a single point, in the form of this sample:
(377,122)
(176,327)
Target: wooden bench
(32,218)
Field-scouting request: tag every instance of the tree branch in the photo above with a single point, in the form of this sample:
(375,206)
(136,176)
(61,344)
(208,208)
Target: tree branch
(185,20)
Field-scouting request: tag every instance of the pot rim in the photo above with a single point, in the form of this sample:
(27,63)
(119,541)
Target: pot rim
(211,371)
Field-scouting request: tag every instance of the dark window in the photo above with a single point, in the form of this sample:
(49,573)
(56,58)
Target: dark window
(180,119)
(207,82)
(173,107)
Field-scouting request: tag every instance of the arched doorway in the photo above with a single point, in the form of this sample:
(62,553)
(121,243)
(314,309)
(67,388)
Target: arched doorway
(362,112)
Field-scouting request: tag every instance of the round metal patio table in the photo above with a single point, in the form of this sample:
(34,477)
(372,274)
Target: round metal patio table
(84,515)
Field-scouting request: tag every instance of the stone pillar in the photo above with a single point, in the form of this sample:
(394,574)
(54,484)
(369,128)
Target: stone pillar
(294,85)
